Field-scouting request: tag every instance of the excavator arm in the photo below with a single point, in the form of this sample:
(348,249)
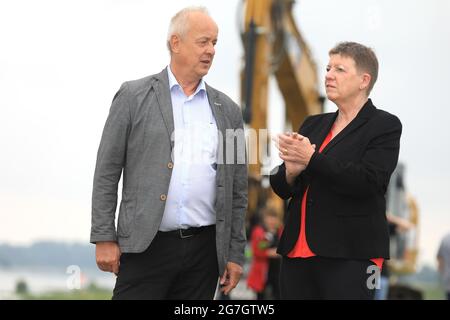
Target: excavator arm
(274,47)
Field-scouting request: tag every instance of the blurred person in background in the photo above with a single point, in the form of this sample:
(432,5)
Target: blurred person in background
(443,258)
(263,277)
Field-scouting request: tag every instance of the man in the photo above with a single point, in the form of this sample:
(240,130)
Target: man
(443,257)
(181,218)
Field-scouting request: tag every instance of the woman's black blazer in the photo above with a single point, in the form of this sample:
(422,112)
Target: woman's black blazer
(346,207)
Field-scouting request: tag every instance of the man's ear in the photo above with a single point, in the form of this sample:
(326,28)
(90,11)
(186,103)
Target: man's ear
(365,81)
(175,43)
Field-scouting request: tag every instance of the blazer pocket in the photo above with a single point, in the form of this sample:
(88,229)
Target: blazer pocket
(126,218)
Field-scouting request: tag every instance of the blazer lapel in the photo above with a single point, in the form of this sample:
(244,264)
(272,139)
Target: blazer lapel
(322,133)
(165,101)
(217,110)
(216,107)
(361,118)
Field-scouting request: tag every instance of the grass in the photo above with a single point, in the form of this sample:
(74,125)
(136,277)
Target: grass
(432,292)
(91,293)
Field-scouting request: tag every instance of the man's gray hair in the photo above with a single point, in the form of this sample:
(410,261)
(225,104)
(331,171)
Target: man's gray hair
(179,22)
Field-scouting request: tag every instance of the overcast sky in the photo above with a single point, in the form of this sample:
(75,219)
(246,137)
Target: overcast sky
(61,62)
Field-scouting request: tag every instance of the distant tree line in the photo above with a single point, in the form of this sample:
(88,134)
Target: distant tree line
(48,254)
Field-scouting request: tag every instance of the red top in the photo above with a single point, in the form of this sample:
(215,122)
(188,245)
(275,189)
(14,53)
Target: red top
(301,249)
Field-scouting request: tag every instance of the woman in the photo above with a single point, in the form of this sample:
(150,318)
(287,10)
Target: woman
(336,170)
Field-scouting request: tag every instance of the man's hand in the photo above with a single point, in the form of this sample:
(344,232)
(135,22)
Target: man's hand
(230,277)
(107,255)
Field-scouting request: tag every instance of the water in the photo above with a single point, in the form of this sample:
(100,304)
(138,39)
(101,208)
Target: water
(41,280)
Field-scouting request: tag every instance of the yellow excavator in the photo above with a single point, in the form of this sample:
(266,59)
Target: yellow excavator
(274,47)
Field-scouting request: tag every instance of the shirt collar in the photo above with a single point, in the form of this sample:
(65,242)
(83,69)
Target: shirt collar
(173,82)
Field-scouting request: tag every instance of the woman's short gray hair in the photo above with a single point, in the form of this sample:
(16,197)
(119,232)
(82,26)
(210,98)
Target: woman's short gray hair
(179,22)
(364,57)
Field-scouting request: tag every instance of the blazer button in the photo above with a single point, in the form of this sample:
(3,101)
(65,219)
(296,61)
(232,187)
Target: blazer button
(170,165)
(163,197)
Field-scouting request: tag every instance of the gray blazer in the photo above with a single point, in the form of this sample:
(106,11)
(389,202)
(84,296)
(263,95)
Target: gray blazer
(137,139)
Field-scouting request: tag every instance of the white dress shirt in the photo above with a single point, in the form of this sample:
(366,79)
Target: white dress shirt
(192,189)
